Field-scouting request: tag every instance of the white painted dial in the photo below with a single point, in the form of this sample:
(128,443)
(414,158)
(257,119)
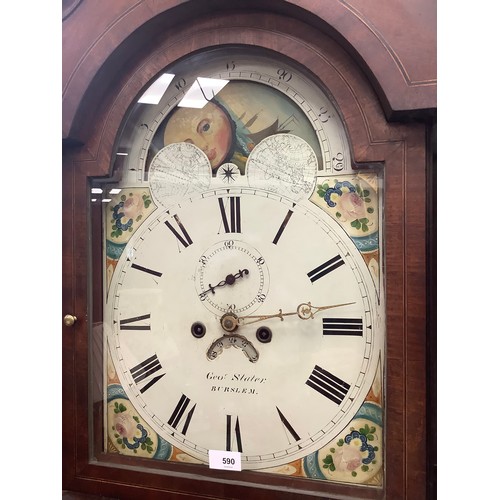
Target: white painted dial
(240,315)
(303,386)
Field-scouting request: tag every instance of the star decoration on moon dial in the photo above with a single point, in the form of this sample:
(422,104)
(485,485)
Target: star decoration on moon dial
(228,173)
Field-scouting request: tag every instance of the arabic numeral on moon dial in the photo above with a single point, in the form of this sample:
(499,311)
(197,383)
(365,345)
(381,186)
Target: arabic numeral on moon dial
(284,75)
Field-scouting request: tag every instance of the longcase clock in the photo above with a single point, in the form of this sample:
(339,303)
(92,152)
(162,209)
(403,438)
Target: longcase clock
(248,253)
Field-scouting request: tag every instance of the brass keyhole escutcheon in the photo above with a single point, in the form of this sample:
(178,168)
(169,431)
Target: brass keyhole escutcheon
(69,320)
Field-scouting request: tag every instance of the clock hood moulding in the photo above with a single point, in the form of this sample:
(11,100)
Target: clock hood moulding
(128,29)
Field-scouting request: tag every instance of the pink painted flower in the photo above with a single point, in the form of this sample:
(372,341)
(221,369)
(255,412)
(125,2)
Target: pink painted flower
(125,425)
(351,205)
(347,458)
(133,206)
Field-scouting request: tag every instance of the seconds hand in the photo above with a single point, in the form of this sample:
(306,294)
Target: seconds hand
(230,280)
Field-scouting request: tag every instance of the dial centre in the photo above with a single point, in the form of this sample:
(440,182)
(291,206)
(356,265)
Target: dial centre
(229,322)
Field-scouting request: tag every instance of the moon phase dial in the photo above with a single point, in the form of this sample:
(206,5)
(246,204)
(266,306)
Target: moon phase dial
(232,276)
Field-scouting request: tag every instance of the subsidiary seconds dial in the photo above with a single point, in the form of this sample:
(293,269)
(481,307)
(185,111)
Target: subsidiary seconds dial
(243,289)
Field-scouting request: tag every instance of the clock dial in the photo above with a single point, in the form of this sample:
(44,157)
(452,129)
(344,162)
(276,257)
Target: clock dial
(203,392)
(240,315)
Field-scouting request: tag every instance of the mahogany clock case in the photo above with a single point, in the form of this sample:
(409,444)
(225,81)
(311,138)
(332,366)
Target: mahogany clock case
(401,150)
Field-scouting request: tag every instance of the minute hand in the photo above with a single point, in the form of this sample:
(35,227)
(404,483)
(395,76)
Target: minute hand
(303,311)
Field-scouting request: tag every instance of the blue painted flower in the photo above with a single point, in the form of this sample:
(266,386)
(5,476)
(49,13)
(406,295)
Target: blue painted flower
(339,190)
(137,441)
(364,445)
